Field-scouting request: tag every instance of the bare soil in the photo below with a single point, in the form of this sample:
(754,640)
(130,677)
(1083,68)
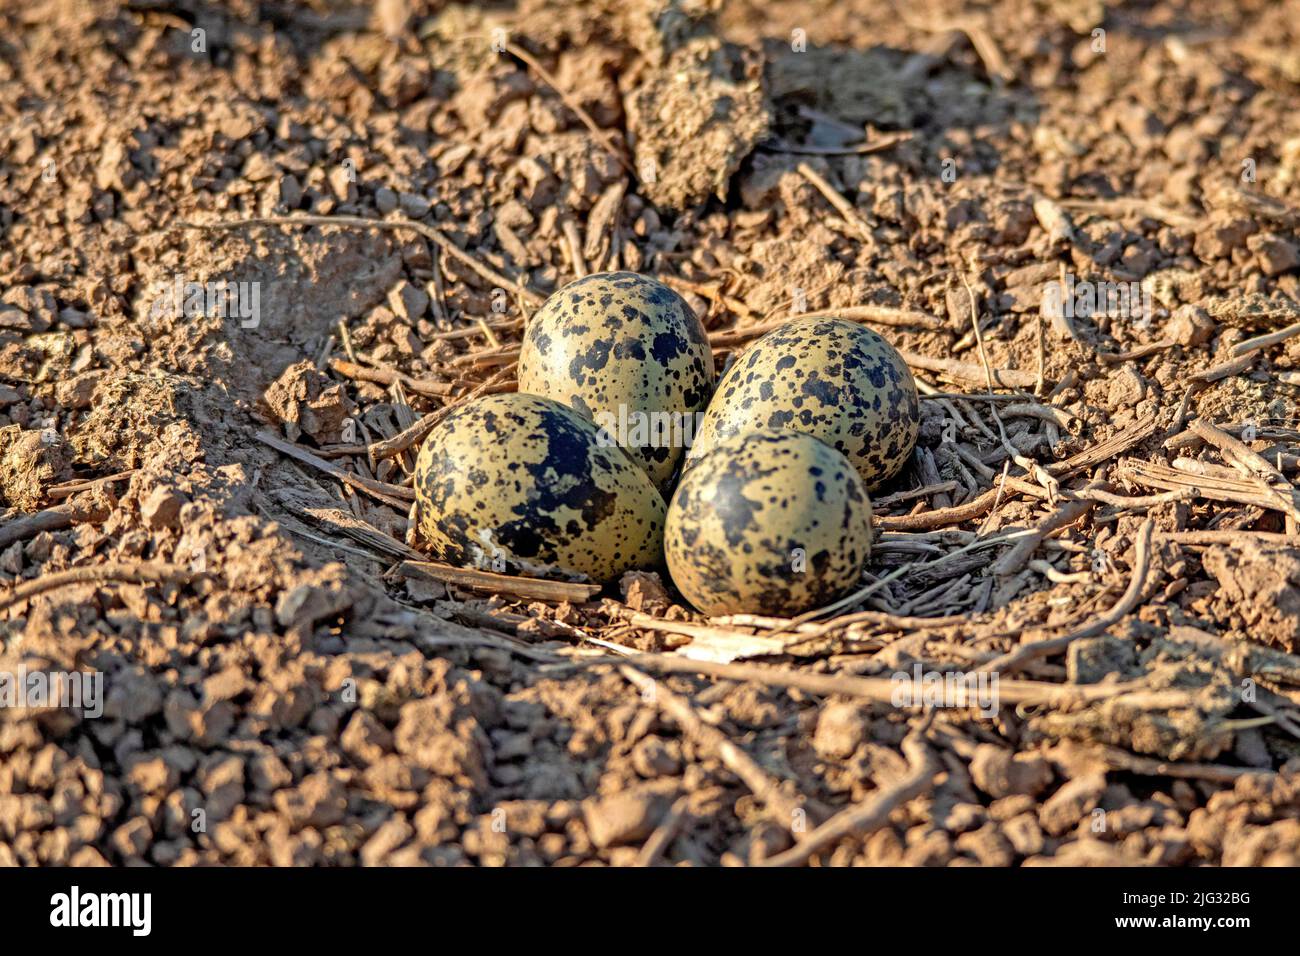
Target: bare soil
(199,507)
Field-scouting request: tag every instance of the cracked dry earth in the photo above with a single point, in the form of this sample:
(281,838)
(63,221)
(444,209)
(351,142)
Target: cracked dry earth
(278,690)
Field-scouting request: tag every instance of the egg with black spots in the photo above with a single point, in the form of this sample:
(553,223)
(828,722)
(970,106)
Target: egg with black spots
(838,381)
(627,353)
(517,482)
(770,522)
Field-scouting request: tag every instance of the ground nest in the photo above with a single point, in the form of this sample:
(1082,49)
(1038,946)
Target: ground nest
(1077,639)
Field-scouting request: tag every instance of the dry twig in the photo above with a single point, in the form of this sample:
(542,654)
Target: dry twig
(395,496)
(142,573)
(884,690)
(872,814)
(783,810)
(842,205)
(387,376)
(408,437)
(977,507)
(602,135)
(877,314)
(1013,661)
(55,518)
(664,834)
(528,589)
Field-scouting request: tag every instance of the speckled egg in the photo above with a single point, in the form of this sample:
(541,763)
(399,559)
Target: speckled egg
(627,353)
(770,522)
(836,380)
(521,483)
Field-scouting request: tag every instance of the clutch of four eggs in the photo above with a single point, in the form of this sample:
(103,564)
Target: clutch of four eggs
(576,471)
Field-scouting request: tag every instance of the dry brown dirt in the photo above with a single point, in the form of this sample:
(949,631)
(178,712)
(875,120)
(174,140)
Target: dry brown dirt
(279,690)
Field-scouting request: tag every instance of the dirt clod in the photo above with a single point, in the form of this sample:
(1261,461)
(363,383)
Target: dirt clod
(306,402)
